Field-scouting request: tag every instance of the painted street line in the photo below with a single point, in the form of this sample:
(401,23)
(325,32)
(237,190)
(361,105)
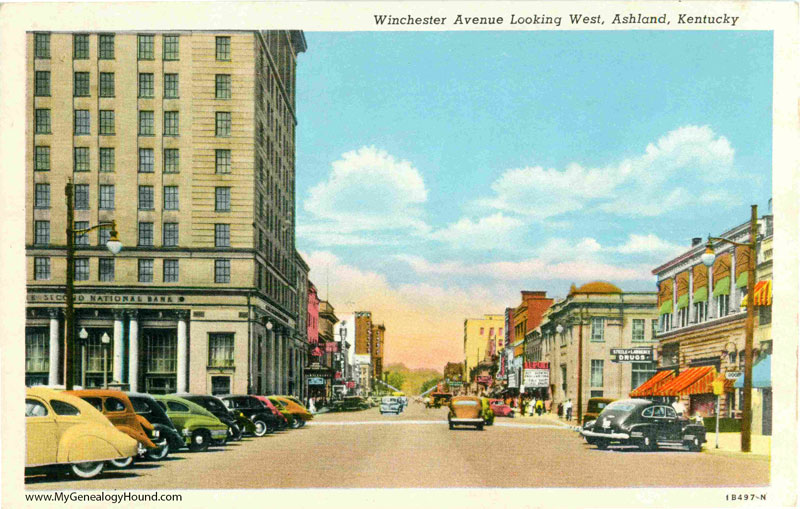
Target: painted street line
(498,424)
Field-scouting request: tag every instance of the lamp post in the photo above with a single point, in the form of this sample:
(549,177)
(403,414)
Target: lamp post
(106,341)
(83,335)
(114,246)
(708,260)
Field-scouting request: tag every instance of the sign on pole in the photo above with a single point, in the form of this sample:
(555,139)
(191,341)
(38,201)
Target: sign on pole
(733,375)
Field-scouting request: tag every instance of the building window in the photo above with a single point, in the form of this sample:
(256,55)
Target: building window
(82,122)
(665,322)
(145,233)
(146,123)
(222,235)
(106,122)
(641,372)
(146,198)
(764,315)
(146,160)
(223,48)
(670,354)
(106,197)
(41,235)
(41,45)
(107,86)
(170,234)
(223,124)
(80,46)
(106,269)
(171,198)
(42,121)
(81,269)
(106,42)
(171,47)
(107,159)
(81,238)
(597,373)
(683,317)
(146,87)
(223,86)
(41,158)
(42,84)
(638,329)
(145,270)
(162,361)
(222,199)
(41,268)
(654,327)
(81,84)
(170,271)
(222,161)
(103,235)
(37,356)
(81,158)
(171,160)
(597,393)
(564,378)
(723,305)
(700,311)
(597,328)
(220,350)
(146,47)
(222,271)
(171,123)
(41,199)
(171,86)
(81,196)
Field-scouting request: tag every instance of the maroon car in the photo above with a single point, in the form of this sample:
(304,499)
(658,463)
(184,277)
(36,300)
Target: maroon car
(500,409)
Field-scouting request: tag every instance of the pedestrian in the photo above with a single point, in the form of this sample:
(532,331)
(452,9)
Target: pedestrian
(679,407)
(568,409)
(539,407)
(560,408)
(311,407)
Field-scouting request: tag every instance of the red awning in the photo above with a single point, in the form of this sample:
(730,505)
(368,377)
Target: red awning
(692,381)
(762,294)
(647,388)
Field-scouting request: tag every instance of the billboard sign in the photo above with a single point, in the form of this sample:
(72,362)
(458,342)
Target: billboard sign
(537,378)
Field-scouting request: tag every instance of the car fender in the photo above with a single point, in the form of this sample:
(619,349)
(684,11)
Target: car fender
(694,430)
(94,443)
(138,435)
(201,421)
(145,423)
(640,430)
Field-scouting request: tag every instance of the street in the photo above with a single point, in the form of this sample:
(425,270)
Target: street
(415,449)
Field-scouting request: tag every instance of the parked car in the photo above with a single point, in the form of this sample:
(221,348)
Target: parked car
(488,413)
(118,409)
(198,427)
(466,411)
(283,422)
(65,433)
(594,407)
(351,403)
(643,423)
(300,414)
(390,405)
(440,398)
(500,408)
(169,438)
(262,417)
(236,421)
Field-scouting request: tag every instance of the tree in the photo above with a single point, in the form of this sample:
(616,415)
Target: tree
(427,384)
(396,379)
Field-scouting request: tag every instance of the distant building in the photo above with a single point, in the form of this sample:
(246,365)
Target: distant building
(477,331)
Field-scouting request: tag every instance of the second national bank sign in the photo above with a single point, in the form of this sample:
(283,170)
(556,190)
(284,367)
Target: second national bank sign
(106,298)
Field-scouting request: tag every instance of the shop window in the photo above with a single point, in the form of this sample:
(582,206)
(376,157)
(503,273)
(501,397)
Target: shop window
(220,350)
(94,358)
(162,360)
(638,329)
(37,356)
(764,315)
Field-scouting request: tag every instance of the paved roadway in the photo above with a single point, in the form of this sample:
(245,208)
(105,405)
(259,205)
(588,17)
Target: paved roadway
(416,449)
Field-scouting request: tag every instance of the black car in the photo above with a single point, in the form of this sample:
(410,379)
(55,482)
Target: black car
(262,417)
(169,438)
(645,424)
(237,422)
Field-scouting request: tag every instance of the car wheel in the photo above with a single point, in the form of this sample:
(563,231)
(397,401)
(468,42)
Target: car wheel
(694,445)
(87,470)
(235,432)
(261,428)
(480,427)
(122,462)
(200,441)
(158,453)
(296,424)
(601,444)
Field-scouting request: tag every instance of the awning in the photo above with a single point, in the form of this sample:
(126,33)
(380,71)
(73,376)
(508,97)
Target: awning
(519,350)
(666,307)
(762,294)
(692,381)
(701,295)
(722,287)
(762,375)
(683,301)
(741,281)
(647,388)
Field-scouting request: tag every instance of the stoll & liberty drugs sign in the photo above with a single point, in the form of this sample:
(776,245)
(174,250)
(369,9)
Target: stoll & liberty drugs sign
(631,355)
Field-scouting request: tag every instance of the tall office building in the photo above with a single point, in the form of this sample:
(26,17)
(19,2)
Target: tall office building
(186,139)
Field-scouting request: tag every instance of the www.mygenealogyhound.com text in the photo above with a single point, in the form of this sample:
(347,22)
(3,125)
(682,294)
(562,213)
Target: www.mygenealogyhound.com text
(543,19)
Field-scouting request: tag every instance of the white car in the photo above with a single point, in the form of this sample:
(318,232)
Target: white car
(391,405)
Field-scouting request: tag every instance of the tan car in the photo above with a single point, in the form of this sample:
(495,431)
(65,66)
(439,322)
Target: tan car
(65,432)
(466,411)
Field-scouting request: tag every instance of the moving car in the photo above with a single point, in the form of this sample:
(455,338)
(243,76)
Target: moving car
(169,438)
(237,423)
(300,414)
(440,398)
(466,411)
(283,422)
(198,427)
(500,408)
(262,417)
(487,412)
(594,407)
(390,405)
(118,409)
(64,432)
(643,423)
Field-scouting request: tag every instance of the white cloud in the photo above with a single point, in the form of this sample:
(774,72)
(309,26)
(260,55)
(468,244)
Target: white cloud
(491,232)
(649,244)
(686,162)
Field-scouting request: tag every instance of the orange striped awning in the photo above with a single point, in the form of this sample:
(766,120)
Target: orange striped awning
(692,381)
(647,388)
(762,294)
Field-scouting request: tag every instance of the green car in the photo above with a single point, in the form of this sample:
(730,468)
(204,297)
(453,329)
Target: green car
(486,412)
(198,427)
(281,406)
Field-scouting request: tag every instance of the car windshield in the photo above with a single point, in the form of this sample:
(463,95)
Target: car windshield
(624,407)
(140,406)
(465,403)
(214,404)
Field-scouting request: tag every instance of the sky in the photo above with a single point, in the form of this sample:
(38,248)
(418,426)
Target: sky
(441,173)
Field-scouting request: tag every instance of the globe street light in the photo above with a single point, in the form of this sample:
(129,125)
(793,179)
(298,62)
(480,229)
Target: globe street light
(708,260)
(106,340)
(83,335)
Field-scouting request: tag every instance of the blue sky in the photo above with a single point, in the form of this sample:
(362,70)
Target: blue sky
(467,166)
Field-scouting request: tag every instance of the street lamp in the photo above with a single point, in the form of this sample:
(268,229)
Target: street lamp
(83,335)
(106,341)
(114,245)
(708,260)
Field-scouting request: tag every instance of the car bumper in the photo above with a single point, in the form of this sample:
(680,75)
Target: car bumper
(609,436)
(464,420)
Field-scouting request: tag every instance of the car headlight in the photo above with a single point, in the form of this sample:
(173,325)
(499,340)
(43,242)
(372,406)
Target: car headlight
(156,433)
(185,432)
